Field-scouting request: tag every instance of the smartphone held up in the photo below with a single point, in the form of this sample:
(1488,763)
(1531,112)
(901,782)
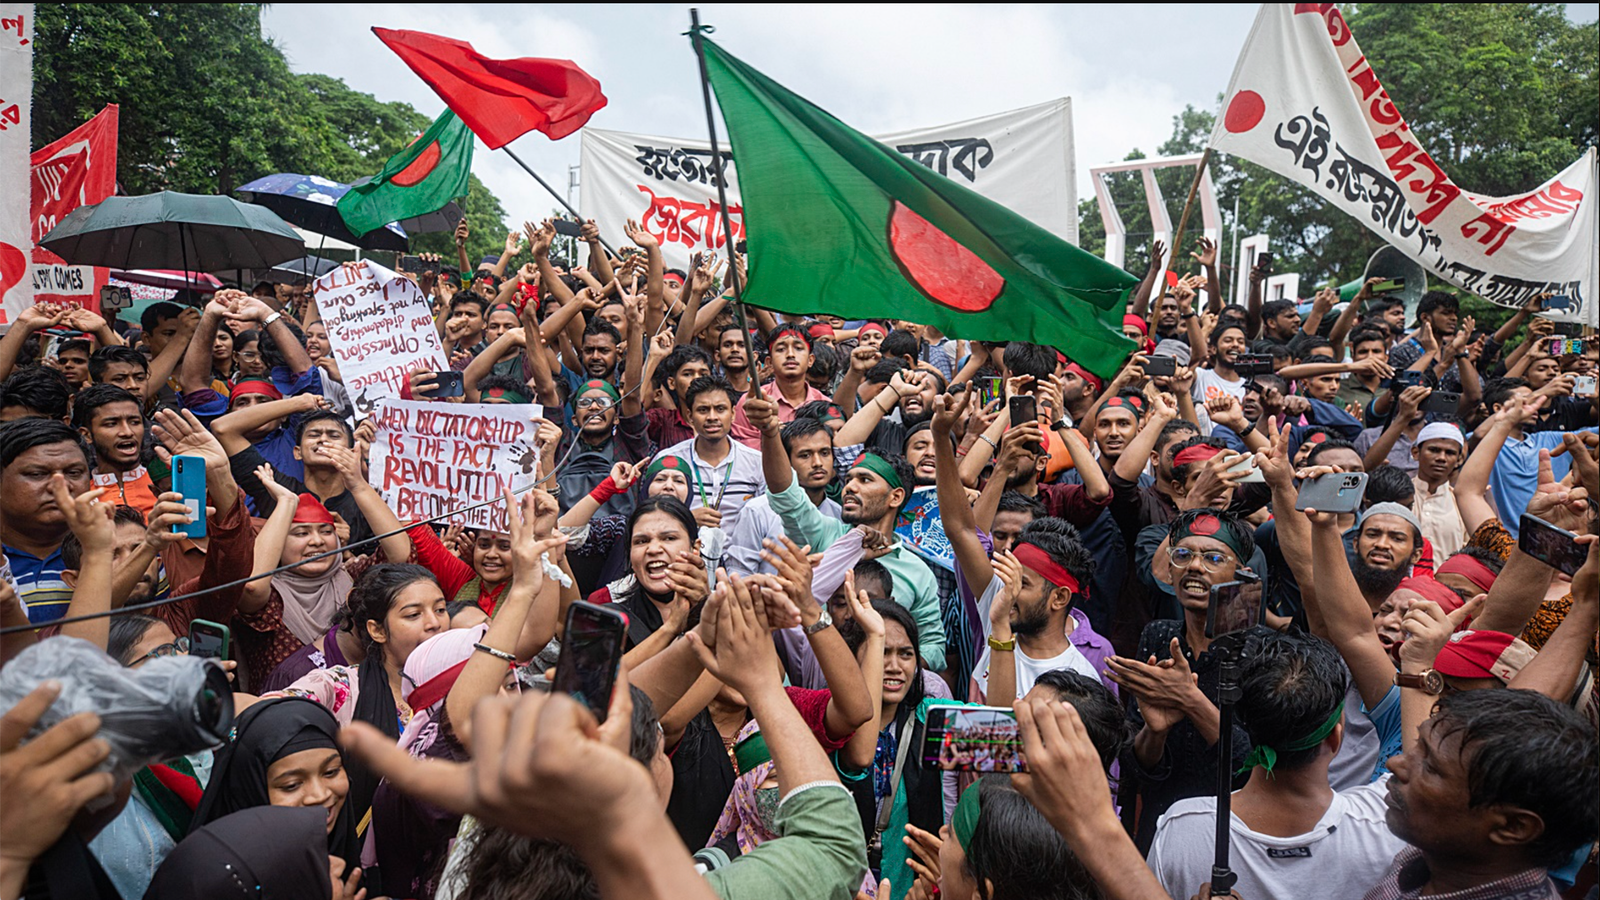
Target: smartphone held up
(973,739)
(591,655)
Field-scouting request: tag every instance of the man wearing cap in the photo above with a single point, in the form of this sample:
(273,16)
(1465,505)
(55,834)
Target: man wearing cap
(1388,542)
(874,494)
(1438,450)
(789,349)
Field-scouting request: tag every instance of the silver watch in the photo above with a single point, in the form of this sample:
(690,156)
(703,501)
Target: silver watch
(823,621)
(267,322)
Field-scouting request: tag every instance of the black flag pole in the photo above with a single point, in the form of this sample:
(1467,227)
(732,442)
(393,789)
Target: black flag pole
(696,30)
(559,199)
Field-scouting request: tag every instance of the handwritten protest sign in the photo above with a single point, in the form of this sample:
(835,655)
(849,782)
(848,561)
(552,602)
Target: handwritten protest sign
(380,329)
(429,458)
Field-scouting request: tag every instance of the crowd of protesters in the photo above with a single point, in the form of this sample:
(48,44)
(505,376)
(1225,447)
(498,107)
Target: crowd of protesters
(820,531)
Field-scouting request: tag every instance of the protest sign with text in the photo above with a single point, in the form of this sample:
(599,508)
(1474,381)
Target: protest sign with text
(1022,159)
(430,457)
(380,329)
(78,169)
(16,102)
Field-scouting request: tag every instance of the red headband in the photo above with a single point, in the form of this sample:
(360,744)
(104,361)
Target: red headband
(1194,454)
(311,512)
(1137,322)
(872,326)
(436,688)
(1036,559)
(256,386)
(1469,568)
(1086,375)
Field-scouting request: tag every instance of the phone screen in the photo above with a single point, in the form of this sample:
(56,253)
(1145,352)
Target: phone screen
(990,389)
(1555,547)
(450,384)
(208,639)
(591,652)
(973,739)
(1235,606)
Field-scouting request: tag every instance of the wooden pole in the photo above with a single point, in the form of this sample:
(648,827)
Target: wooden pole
(1188,204)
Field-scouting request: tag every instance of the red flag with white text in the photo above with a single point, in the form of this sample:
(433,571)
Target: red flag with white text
(79,169)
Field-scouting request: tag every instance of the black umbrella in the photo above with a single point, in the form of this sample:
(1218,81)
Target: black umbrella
(298,271)
(310,202)
(169,230)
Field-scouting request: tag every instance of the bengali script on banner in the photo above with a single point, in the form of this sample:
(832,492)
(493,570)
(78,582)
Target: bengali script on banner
(429,458)
(380,329)
(1307,104)
(1022,159)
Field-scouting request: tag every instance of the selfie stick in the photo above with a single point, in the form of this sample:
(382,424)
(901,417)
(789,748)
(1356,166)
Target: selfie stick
(1231,649)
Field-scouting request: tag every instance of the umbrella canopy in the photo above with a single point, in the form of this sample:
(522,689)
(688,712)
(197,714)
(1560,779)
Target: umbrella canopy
(299,271)
(171,279)
(169,230)
(309,201)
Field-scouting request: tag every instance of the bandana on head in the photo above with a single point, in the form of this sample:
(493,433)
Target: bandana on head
(820,329)
(1473,570)
(665,463)
(832,414)
(1137,322)
(872,326)
(1092,379)
(964,823)
(505,394)
(1134,405)
(1034,557)
(1214,523)
(256,386)
(311,512)
(784,330)
(1429,589)
(1197,453)
(1266,757)
(598,384)
(880,467)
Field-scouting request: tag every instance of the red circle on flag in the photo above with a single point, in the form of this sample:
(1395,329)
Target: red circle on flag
(948,273)
(419,168)
(1244,112)
(1206,524)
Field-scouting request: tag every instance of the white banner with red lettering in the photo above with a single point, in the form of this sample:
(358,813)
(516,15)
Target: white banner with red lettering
(16,101)
(429,458)
(1305,103)
(1022,159)
(77,169)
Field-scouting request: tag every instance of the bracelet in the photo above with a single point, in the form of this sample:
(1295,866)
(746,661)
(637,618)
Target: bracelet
(1003,645)
(1248,427)
(985,438)
(604,491)
(497,654)
(267,322)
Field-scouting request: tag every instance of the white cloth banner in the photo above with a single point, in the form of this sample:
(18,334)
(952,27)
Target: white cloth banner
(1022,159)
(1305,103)
(16,123)
(380,329)
(430,457)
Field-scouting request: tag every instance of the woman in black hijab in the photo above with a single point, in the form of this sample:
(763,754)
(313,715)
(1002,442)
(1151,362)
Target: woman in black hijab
(264,853)
(284,753)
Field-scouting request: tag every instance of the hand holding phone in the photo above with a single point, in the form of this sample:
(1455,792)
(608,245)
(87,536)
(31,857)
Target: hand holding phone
(591,655)
(209,639)
(189,479)
(449,384)
(1024,408)
(567,227)
(973,739)
(1556,547)
(1160,365)
(1335,492)
(1234,606)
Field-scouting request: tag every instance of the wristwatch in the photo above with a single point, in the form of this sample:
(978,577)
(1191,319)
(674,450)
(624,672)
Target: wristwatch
(1060,425)
(1427,681)
(1248,427)
(823,621)
(267,322)
(1003,645)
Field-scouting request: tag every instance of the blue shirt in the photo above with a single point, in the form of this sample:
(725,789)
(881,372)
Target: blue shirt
(44,594)
(1515,475)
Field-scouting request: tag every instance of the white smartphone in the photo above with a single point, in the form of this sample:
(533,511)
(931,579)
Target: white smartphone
(1252,475)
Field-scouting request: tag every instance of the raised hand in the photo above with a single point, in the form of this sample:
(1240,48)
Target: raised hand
(642,239)
(1158,257)
(1557,502)
(1205,252)
(949,408)
(745,658)
(183,435)
(462,232)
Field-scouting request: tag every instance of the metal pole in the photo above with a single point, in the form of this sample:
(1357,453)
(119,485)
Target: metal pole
(559,199)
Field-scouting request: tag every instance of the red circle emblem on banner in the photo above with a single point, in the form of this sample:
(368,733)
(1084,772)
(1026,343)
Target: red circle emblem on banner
(1244,112)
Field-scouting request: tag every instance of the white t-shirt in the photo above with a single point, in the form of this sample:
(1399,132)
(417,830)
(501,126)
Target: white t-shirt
(1208,384)
(728,485)
(1340,859)
(1028,668)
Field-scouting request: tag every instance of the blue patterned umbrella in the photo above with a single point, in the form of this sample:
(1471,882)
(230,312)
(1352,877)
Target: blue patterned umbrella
(308,201)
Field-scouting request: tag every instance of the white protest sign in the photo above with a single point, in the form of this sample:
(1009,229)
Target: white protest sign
(380,329)
(430,457)
(1022,159)
(16,104)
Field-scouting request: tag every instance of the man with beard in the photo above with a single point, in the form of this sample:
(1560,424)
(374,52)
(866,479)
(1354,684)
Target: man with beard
(1224,345)
(1388,542)
(733,356)
(789,349)
(1017,468)
(809,445)
(111,420)
(874,493)
(911,391)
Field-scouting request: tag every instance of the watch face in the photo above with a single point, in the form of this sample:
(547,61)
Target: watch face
(1433,682)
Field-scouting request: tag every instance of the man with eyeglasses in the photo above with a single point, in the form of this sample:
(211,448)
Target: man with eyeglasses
(603,436)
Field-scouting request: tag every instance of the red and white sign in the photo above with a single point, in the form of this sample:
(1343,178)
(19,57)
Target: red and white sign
(79,169)
(16,101)
(380,330)
(1306,103)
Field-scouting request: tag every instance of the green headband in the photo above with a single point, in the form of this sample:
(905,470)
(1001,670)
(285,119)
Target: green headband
(597,384)
(1266,757)
(663,463)
(879,466)
(751,752)
(505,394)
(965,820)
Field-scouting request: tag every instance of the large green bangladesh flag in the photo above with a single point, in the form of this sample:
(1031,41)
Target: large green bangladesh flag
(418,180)
(842,224)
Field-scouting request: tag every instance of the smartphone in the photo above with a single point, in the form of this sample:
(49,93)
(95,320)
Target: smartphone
(449,384)
(409,263)
(739,247)
(1569,329)
(1559,301)
(1264,259)
(1234,606)
(1441,402)
(209,639)
(1405,379)
(1160,365)
(1393,284)
(1584,386)
(1251,364)
(1025,409)
(567,227)
(973,739)
(1247,468)
(1555,547)
(1335,492)
(990,389)
(189,479)
(591,654)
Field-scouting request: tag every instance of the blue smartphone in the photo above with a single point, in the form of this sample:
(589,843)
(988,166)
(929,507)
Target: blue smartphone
(189,479)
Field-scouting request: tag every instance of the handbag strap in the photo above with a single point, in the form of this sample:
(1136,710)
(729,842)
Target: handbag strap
(887,808)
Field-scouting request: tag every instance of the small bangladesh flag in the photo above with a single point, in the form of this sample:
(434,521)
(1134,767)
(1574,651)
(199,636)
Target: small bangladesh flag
(418,180)
(842,224)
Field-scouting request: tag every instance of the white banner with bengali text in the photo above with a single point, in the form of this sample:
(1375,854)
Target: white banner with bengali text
(1305,103)
(380,329)
(16,123)
(1022,159)
(430,457)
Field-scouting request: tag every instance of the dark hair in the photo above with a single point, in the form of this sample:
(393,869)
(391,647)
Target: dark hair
(1015,853)
(1102,715)
(246,336)
(874,571)
(1271,380)
(1271,348)
(1012,501)
(1180,471)
(681,355)
(602,327)
(1291,684)
(1327,446)
(126,631)
(325,415)
(705,384)
(1498,390)
(461,298)
(372,596)
(504,383)
(271,354)
(74,344)
(40,389)
(882,371)
(21,435)
(156,313)
(1061,542)
(803,427)
(1302,344)
(94,396)
(1388,484)
(903,343)
(1364,335)
(1433,300)
(1491,560)
(1170,432)
(1022,358)
(1274,308)
(660,503)
(902,471)
(1521,748)
(825,361)
(72,551)
(1223,326)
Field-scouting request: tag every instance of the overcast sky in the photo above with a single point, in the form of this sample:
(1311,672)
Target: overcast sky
(1127,68)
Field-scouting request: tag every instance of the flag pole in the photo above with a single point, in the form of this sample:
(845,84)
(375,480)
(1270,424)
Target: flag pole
(1183,220)
(560,199)
(695,32)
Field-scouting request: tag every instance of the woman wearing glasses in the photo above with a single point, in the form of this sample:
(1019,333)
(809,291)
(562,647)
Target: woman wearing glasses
(247,359)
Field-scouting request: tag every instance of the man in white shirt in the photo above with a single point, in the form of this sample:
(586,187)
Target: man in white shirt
(810,447)
(727,473)
(1292,835)
(1439,450)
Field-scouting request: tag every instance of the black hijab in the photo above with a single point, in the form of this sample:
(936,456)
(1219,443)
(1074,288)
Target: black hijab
(264,734)
(261,853)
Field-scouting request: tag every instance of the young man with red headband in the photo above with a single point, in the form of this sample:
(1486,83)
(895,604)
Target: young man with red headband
(789,350)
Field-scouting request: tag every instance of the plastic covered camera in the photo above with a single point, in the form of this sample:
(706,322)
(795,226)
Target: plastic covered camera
(169,707)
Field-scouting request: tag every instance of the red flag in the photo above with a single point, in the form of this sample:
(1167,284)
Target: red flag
(499,99)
